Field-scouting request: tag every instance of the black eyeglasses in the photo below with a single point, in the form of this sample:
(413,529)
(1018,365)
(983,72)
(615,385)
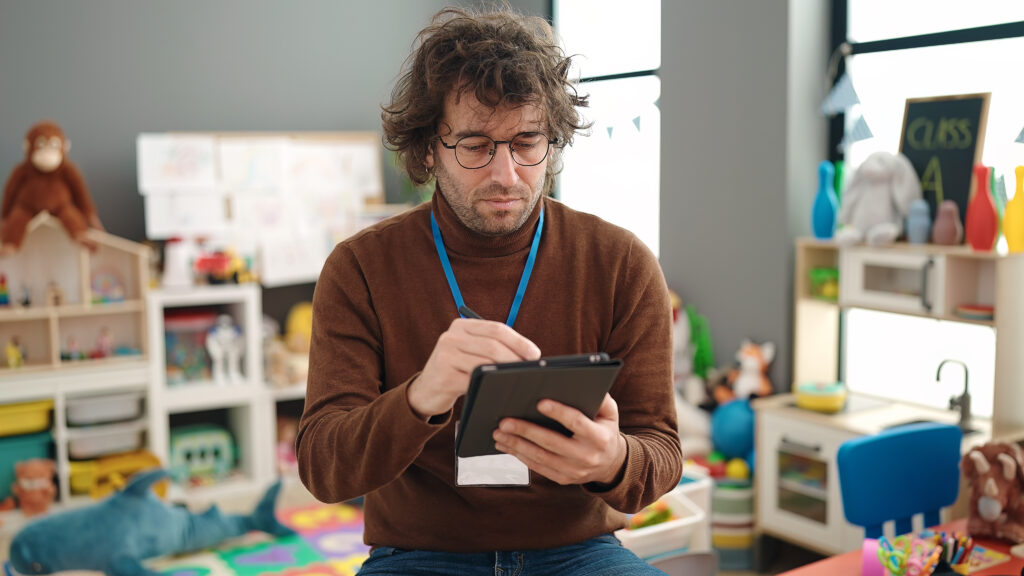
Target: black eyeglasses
(527,149)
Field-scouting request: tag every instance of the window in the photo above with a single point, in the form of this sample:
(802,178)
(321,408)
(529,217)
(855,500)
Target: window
(614,172)
(886,68)
(884,79)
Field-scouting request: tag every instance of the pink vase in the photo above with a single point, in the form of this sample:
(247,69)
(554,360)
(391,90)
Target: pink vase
(981,225)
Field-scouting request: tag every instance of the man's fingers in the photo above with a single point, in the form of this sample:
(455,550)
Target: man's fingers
(519,345)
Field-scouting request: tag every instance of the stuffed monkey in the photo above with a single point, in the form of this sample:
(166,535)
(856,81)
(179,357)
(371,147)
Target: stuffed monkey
(46,180)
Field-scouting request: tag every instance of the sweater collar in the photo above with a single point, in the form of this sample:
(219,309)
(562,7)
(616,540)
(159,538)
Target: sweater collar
(458,239)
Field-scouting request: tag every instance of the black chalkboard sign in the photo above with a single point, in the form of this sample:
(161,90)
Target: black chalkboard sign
(943,137)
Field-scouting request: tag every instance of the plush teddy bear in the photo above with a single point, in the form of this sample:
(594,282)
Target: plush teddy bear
(46,180)
(33,485)
(877,200)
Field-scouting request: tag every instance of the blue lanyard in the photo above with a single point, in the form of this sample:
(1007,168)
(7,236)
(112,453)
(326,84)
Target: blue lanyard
(454,285)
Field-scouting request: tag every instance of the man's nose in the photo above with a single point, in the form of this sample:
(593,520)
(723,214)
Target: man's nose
(503,167)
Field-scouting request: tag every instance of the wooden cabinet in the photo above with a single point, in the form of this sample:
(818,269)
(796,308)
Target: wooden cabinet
(796,481)
(798,493)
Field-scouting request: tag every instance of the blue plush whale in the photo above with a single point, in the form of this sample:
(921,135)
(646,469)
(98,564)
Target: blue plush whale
(115,535)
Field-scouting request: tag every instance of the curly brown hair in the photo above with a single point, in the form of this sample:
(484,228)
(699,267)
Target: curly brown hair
(502,58)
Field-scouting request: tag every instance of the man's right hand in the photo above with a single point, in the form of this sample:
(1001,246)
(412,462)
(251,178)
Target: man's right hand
(466,344)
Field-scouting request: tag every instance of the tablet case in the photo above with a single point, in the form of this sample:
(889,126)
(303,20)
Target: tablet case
(499,391)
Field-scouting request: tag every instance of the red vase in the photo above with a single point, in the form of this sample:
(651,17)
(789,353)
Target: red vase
(981,224)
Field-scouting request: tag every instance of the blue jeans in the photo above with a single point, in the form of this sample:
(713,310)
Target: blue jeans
(601,556)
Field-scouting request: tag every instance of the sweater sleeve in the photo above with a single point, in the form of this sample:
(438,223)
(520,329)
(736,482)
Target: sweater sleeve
(353,437)
(642,336)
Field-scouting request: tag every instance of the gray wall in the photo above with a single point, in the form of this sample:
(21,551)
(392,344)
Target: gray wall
(106,70)
(740,135)
(740,142)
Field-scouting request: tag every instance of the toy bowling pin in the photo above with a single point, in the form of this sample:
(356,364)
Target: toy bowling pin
(919,222)
(981,226)
(823,213)
(1013,219)
(947,228)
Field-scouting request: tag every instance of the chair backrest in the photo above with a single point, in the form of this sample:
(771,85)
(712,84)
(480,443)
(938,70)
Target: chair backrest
(900,472)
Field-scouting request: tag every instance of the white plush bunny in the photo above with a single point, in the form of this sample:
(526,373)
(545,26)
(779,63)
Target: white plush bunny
(877,200)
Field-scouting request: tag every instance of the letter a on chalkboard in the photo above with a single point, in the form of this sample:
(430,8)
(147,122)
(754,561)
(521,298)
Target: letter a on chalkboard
(931,179)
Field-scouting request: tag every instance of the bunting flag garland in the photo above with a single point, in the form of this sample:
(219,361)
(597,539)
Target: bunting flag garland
(840,98)
(860,131)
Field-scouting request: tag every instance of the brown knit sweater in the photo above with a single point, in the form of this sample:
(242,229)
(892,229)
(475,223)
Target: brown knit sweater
(379,306)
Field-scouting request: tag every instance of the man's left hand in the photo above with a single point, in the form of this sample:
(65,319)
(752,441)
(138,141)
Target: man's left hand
(596,451)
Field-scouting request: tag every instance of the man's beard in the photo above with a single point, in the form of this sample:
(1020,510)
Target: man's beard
(499,223)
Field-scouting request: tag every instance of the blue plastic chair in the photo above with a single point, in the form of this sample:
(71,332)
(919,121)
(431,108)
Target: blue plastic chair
(898,473)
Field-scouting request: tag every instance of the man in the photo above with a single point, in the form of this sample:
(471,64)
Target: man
(484,108)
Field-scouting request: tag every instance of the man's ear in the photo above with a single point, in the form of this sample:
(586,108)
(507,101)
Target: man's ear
(428,158)
(25,146)
(67,145)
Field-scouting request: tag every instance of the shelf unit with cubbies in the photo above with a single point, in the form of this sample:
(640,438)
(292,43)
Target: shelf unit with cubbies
(61,300)
(924,280)
(244,407)
(77,320)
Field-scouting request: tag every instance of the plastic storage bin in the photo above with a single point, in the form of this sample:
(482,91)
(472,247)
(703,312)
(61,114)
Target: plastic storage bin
(185,345)
(88,410)
(671,536)
(101,476)
(25,417)
(96,441)
(14,449)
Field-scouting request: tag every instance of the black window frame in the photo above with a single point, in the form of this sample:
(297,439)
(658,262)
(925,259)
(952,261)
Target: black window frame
(840,31)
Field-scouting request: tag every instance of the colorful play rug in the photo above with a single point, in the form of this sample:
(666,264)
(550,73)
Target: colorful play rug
(329,543)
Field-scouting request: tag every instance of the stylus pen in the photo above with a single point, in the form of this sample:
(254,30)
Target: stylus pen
(465,311)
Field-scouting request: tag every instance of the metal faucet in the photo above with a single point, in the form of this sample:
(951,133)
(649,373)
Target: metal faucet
(963,402)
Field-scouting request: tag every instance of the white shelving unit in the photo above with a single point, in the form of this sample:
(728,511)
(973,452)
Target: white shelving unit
(73,295)
(249,404)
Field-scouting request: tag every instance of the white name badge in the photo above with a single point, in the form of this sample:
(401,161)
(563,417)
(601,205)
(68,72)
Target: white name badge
(493,470)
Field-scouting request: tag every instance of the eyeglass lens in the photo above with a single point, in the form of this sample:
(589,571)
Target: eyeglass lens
(528,149)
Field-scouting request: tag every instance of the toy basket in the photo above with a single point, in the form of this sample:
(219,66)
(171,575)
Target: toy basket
(25,417)
(671,536)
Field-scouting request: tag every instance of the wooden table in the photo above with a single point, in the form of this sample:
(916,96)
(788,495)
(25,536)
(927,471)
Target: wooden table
(848,564)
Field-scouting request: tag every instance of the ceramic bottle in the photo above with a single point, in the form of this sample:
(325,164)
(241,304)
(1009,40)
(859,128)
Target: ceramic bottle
(981,225)
(1013,220)
(823,212)
(919,222)
(947,228)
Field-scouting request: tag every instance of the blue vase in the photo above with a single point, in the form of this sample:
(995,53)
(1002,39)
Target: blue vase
(823,213)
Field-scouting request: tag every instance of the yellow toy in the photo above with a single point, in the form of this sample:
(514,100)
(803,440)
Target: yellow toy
(15,355)
(737,469)
(298,328)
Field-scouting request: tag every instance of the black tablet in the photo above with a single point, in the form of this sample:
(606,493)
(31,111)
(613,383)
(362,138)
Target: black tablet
(499,391)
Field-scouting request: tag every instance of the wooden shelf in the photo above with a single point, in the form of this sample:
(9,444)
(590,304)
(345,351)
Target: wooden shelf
(21,313)
(126,307)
